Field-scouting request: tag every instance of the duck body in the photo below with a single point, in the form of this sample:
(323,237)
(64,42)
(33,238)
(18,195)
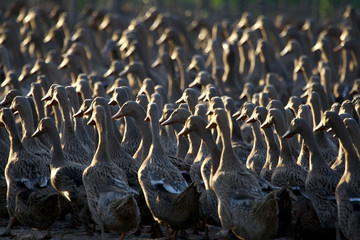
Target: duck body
(243,206)
(66,176)
(111,200)
(30,197)
(170,199)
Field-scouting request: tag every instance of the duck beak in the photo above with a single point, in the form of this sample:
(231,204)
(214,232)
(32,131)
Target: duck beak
(329,130)
(124,72)
(242,96)
(112,102)
(167,122)
(35,69)
(161,39)
(288,134)
(130,51)
(118,115)
(297,68)
(109,72)
(64,63)
(315,47)
(5,82)
(202,96)
(304,95)
(237,114)
(266,124)
(78,114)
(251,120)
(320,127)
(242,117)
(37,133)
(338,48)
(157,63)
(91,122)
(47,97)
(284,51)
(180,100)
(22,77)
(88,111)
(193,84)
(210,112)
(51,103)
(185,131)
(211,124)
(190,67)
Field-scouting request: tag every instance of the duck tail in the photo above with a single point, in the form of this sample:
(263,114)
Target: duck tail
(284,199)
(190,194)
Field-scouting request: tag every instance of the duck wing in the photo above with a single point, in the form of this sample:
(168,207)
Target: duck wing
(174,186)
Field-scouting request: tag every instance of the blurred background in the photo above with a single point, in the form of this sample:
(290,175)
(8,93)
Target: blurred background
(214,9)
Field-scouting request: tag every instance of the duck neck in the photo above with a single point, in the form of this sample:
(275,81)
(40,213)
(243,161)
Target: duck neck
(27,121)
(15,141)
(101,150)
(39,104)
(351,159)
(316,159)
(346,76)
(258,137)
(183,76)
(65,112)
(173,86)
(57,158)
(130,128)
(109,124)
(155,129)
(228,157)
(285,150)
(146,140)
(213,149)
(235,130)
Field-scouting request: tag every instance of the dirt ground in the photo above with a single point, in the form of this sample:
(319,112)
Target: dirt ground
(61,230)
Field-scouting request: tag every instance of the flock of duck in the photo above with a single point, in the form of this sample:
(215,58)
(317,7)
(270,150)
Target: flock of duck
(126,121)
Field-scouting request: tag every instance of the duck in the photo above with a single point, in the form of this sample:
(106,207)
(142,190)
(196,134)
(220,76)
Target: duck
(80,113)
(327,147)
(131,137)
(287,172)
(20,105)
(73,148)
(116,152)
(66,176)
(30,198)
(272,155)
(321,195)
(353,128)
(56,111)
(304,112)
(173,91)
(182,142)
(241,147)
(170,199)
(111,200)
(4,153)
(137,112)
(79,125)
(239,192)
(180,115)
(256,159)
(347,190)
(209,165)
(36,93)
